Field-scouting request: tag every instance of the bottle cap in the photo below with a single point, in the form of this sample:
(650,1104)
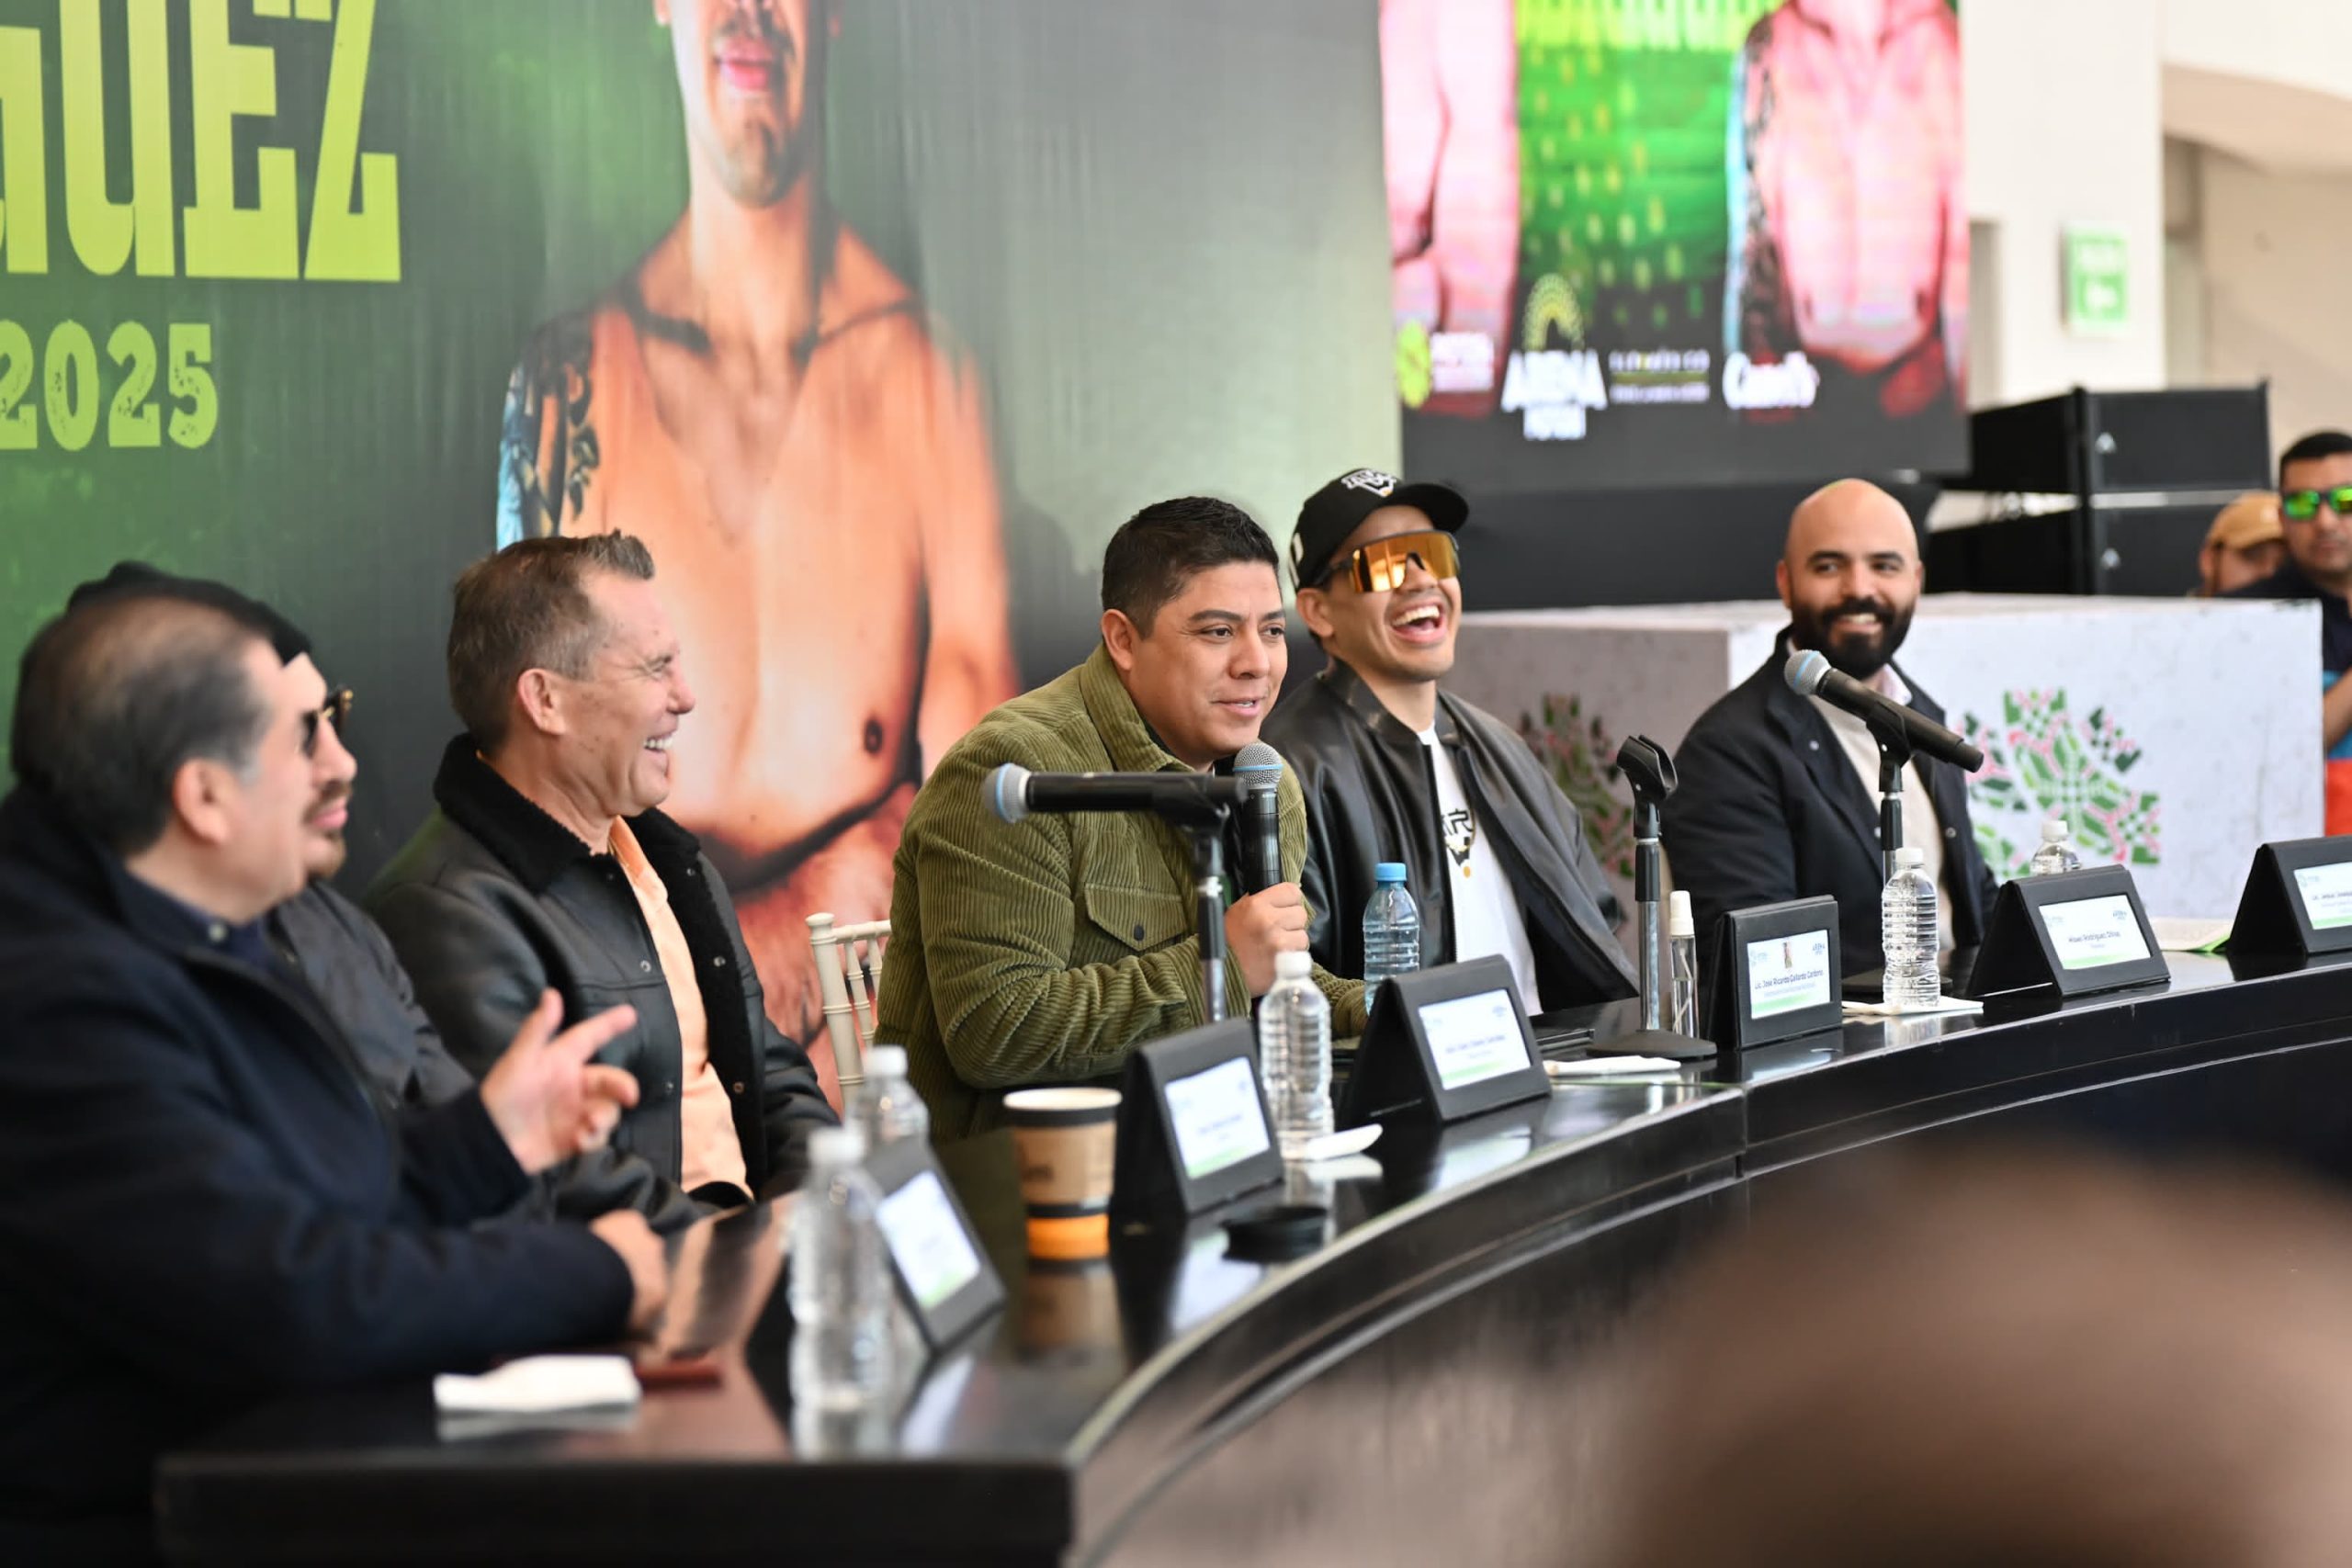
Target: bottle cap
(1677,914)
(1293,965)
(886,1061)
(836,1145)
(2054,831)
(1908,856)
(1388,871)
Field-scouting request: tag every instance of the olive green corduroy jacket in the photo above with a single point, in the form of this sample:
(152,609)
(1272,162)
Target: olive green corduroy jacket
(1046,950)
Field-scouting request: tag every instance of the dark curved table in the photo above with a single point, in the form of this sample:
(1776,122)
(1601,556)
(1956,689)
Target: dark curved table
(1419,1388)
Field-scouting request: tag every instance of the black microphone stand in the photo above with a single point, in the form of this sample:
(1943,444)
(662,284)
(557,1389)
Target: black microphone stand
(1207,839)
(1649,771)
(1893,756)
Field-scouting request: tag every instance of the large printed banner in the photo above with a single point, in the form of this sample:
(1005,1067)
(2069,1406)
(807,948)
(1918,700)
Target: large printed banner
(1676,241)
(872,321)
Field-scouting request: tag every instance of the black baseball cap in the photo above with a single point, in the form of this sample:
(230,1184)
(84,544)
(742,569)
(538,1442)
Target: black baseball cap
(1333,513)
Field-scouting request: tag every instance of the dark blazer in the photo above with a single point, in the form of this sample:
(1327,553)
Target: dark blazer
(1371,797)
(199,1205)
(493,901)
(1769,809)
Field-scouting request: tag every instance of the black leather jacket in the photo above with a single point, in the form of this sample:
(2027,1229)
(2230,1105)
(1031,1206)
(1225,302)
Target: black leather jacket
(493,901)
(1371,797)
(350,965)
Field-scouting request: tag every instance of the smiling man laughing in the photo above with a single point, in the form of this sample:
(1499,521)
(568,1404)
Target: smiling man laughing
(549,865)
(1778,792)
(1394,770)
(1045,951)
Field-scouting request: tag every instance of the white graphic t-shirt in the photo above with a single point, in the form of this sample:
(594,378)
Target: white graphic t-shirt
(1487,917)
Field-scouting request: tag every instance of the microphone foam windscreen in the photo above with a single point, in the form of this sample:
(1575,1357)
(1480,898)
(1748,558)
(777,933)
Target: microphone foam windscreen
(1805,670)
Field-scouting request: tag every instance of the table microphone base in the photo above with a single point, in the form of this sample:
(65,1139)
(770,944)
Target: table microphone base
(1655,1042)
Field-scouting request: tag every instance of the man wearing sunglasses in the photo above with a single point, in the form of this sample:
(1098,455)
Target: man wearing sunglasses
(1396,770)
(2315,514)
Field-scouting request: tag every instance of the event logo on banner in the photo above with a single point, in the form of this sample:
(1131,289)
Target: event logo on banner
(52,386)
(872,321)
(1677,240)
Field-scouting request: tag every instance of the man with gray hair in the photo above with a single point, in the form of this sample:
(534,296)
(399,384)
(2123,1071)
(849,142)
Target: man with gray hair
(548,864)
(198,1207)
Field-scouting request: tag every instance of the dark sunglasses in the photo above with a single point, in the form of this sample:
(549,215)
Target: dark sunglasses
(335,711)
(1381,565)
(2303,505)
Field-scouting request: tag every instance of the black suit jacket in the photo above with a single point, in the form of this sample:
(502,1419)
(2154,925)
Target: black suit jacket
(200,1205)
(1769,809)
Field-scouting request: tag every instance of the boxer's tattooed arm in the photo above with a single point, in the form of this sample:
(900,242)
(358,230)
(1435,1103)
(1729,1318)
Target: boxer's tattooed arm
(548,451)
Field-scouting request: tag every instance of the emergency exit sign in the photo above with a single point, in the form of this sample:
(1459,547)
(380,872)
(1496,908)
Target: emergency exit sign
(2099,292)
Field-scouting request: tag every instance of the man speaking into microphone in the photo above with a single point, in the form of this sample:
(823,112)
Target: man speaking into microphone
(1778,795)
(1045,950)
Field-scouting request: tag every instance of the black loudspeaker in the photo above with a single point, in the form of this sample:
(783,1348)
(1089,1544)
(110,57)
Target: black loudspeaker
(2090,444)
(2149,550)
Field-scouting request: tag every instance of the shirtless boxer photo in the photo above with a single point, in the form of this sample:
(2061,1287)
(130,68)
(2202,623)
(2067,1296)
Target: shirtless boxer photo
(765,405)
(1849,221)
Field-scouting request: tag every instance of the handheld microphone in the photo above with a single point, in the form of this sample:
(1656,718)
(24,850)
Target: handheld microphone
(1012,792)
(1810,674)
(1259,766)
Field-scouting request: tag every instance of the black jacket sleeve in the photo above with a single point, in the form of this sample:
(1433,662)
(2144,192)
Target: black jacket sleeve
(161,1222)
(792,1106)
(1726,832)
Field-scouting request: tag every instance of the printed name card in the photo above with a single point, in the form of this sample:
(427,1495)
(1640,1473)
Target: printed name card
(1193,1129)
(2080,931)
(1217,1117)
(2297,900)
(1774,975)
(944,1276)
(1473,1039)
(1443,1043)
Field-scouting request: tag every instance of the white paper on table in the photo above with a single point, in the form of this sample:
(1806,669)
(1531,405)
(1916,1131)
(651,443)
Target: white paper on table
(539,1384)
(1339,1144)
(1889,1009)
(1609,1066)
(2187,934)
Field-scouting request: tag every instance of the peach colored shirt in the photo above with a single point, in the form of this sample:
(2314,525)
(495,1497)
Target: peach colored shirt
(707,1144)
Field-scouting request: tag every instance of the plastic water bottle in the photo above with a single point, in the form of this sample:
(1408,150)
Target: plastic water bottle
(1392,930)
(1907,933)
(1682,943)
(886,1107)
(1294,1055)
(842,1296)
(2057,850)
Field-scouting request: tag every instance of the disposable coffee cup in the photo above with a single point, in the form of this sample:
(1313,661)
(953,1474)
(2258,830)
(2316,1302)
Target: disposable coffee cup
(1064,1138)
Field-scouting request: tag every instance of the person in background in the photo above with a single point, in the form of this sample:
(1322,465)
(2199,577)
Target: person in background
(198,1208)
(548,862)
(1396,770)
(1779,793)
(2245,544)
(2315,511)
(1045,951)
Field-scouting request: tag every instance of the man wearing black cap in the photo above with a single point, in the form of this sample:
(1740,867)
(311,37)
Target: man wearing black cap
(1396,770)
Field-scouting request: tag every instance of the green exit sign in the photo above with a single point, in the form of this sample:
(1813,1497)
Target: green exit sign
(2098,287)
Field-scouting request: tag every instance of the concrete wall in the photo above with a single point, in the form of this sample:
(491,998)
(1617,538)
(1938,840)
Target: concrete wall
(2065,125)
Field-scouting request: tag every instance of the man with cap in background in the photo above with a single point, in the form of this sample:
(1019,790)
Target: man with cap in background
(2246,545)
(1394,770)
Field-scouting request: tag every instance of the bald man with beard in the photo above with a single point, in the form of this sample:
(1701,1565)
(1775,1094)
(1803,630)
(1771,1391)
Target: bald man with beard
(1779,795)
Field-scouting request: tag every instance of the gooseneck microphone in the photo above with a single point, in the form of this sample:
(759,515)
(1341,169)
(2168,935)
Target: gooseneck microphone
(1809,674)
(1012,792)
(1259,766)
